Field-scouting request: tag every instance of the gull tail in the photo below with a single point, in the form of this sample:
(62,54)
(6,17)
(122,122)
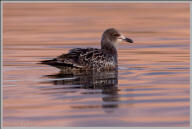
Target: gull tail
(55,63)
(48,62)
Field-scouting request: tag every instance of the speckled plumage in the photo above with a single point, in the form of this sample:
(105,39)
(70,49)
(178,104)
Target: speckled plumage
(91,58)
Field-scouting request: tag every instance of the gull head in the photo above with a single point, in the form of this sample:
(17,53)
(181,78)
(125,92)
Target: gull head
(113,37)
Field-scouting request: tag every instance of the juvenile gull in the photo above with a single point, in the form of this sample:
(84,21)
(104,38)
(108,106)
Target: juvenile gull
(92,58)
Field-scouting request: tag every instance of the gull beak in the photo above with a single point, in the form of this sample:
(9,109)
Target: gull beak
(126,39)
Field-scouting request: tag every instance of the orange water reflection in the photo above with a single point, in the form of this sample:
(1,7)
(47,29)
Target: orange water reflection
(152,86)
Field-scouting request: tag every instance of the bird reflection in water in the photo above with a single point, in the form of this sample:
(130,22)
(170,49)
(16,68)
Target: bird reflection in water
(106,81)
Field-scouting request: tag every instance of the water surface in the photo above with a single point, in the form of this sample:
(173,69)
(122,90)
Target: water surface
(151,87)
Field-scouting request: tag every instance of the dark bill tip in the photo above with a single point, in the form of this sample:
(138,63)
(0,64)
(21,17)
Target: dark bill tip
(128,40)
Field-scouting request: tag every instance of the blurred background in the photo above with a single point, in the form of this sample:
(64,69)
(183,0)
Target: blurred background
(152,85)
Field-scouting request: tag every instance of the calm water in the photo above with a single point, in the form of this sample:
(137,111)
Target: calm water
(151,87)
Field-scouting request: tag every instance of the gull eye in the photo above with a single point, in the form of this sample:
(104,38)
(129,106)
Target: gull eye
(115,35)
